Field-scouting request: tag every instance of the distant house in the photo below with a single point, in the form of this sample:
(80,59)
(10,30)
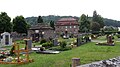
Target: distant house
(67,25)
(40,31)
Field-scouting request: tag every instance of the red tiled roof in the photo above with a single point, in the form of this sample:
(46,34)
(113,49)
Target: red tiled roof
(67,21)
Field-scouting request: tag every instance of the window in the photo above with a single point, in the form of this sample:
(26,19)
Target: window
(65,26)
(74,26)
(70,26)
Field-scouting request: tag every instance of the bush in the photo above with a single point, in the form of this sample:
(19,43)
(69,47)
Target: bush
(58,48)
(63,44)
(47,44)
(118,35)
(11,51)
(43,41)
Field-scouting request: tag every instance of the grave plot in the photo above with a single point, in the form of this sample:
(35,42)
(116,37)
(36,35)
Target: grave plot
(109,42)
(9,58)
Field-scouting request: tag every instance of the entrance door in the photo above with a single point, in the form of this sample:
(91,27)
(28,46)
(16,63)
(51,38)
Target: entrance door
(6,39)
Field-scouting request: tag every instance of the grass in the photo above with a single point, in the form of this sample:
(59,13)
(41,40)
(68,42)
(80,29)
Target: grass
(87,53)
(103,38)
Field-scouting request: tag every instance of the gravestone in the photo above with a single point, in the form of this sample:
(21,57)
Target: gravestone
(78,41)
(109,40)
(75,62)
(28,43)
(6,39)
(55,42)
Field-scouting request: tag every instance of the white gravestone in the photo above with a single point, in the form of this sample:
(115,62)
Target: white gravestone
(6,39)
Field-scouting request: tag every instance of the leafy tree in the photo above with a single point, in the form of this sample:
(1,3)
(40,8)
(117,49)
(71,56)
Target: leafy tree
(95,26)
(84,23)
(52,24)
(5,24)
(20,25)
(39,20)
(97,18)
(110,28)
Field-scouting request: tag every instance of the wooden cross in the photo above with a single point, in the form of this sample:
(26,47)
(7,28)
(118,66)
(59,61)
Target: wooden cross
(18,52)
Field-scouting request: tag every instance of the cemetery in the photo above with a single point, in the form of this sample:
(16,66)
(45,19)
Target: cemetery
(56,50)
(59,33)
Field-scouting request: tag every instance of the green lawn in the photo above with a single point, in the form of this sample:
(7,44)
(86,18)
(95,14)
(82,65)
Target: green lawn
(103,38)
(87,53)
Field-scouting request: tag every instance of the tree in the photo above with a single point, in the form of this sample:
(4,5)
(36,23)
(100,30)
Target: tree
(39,20)
(5,24)
(110,28)
(52,24)
(95,26)
(20,25)
(97,18)
(84,23)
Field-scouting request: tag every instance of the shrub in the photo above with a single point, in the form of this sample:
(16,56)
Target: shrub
(43,41)
(63,44)
(58,48)
(47,44)
(118,35)
(11,51)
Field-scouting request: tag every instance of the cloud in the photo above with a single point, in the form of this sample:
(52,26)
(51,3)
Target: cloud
(106,8)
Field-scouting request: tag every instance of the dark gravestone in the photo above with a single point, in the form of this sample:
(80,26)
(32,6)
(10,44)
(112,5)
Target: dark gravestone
(109,40)
(55,42)
(78,42)
(28,43)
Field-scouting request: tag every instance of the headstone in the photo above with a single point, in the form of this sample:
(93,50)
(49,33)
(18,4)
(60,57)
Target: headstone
(28,43)
(75,62)
(55,42)
(78,41)
(6,39)
(109,40)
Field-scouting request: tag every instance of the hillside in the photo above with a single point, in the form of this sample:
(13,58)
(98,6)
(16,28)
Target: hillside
(33,20)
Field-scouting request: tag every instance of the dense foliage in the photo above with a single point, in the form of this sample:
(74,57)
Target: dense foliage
(107,22)
(52,24)
(5,24)
(63,44)
(39,19)
(98,19)
(33,20)
(20,25)
(84,23)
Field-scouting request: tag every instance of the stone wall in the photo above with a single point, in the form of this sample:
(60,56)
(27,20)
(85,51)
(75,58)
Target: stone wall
(114,62)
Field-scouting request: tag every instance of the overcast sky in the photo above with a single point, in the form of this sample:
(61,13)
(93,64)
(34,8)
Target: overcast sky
(106,8)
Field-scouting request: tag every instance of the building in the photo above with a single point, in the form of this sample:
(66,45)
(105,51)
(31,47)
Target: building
(40,31)
(67,26)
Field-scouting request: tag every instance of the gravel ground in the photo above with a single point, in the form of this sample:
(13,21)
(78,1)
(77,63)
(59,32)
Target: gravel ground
(114,62)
